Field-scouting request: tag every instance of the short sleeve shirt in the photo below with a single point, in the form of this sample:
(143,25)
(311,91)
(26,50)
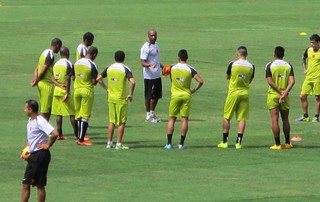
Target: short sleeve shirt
(151,54)
(38,131)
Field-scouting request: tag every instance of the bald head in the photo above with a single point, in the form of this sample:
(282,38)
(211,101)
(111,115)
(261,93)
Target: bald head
(152,35)
(64,52)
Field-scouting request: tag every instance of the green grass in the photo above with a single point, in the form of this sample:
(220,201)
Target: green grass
(210,30)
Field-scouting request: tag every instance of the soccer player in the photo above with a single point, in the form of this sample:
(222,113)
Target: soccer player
(85,71)
(280,77)
(240,74)
(150,61)
(117,74)
(41,136)
(181,75)
(42,77)
(82,49)
(62,104)
(311,83)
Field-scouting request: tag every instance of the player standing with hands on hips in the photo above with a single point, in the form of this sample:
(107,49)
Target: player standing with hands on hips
(41,136)
(150,61)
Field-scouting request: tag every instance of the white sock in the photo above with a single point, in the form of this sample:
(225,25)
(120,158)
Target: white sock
(118,144)
(148,115)
(152,113)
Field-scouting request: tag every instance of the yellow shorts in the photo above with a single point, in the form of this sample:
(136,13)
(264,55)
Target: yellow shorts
(83,102)
(117,113)
(238,104)
(180,105)
(310,88)
(273,102)
(61,108)
(45,91)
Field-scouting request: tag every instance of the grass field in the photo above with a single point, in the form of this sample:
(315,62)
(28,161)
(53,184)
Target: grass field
(210,30)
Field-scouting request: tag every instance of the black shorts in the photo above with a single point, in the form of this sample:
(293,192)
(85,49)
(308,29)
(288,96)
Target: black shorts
(37,168)
(152,88)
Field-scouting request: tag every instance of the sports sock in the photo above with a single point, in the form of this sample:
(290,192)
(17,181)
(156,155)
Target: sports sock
(225,137)
(60,132)
(317,116)
(287,138)
(305,115)
(182,138)
(169,138)
(277,140)
(239,139)
(78,122)
(84,127)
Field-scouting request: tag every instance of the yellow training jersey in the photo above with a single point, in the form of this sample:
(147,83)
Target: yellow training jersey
(62,69)
(84,71)
(181,77)
(117,74)
(279,71)
(313,65)
(241,73)
(46,57)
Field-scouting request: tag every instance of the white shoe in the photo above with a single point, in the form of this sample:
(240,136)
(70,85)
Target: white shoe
(122,147)
(109,145)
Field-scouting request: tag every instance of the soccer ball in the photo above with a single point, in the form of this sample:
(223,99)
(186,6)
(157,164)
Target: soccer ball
(25,153)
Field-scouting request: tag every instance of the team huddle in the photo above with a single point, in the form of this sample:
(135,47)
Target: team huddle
(53,80)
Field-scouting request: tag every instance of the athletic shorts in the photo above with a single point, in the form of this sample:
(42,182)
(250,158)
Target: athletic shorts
(117,113)
(310,88)
(180,106)
(273,102)
(153,88)
(83,102)
(238,104)
(37,168)
(61,108)
(45,91)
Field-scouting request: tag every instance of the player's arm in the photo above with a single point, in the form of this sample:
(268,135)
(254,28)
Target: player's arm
(200,82)
(94,75)
(253,72)
(144,63)
(46,66)
(270,80)
(304,61)
(53,137)
(132,87)
(291,82)
(273,85)
(101,83)
(100,78)
(228,72)
(55,82)
(35,80)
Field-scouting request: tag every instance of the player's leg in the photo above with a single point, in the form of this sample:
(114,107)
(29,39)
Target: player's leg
(121,114)
(156,92)
(306,89)
(228,111)
(274,115)
(174,108)
(25,193)
(74,125)
(183,131)
(286,127)
(112,122)
(41,194)
(185,106)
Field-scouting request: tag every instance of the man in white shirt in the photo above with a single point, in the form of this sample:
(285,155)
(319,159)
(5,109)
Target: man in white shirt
(150,61)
